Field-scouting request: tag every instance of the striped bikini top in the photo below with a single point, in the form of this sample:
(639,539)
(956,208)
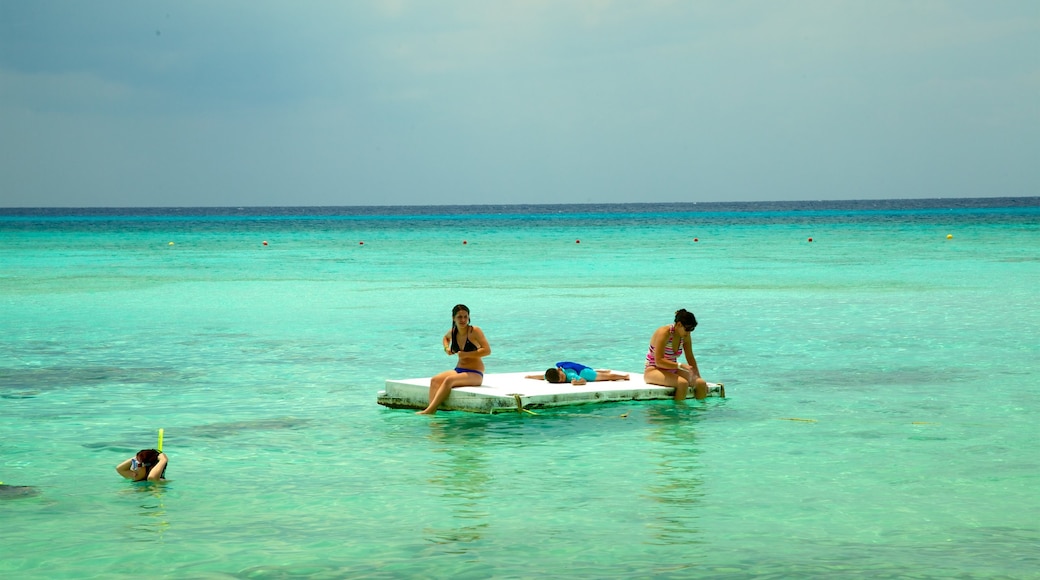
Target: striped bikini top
(670,353)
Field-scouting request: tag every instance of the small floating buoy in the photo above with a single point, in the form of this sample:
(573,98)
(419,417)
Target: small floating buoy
(577,241)
(810,239)
(464,242)
(265,242)
(949,236)
(696,240)
(361,243)
(170,244)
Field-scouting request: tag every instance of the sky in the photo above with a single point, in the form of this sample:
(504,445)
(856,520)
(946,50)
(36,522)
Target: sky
(397,102)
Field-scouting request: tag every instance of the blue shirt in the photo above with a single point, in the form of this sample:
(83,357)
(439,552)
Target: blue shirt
(575,371)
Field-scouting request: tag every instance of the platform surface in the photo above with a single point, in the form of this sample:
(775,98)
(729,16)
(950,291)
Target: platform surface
(512,392)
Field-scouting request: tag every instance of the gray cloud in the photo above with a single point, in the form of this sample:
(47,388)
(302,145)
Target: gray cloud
(271,103)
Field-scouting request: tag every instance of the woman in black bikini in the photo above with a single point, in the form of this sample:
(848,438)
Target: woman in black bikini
(469,343)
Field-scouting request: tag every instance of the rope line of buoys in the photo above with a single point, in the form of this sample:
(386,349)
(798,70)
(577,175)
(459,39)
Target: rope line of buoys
(577,241)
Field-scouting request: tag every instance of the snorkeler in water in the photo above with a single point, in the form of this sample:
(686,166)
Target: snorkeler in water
(148,464)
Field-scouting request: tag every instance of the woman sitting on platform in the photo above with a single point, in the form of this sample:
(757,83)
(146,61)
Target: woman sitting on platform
(662,366)
(469,343)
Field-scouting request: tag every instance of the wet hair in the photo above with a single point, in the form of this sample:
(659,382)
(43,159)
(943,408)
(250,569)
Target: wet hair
(553,375)
(686,318)
(148,457)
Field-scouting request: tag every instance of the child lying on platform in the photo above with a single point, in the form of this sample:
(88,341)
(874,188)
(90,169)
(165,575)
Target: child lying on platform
(577,374)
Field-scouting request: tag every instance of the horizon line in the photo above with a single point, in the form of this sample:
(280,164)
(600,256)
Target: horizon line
(478,205)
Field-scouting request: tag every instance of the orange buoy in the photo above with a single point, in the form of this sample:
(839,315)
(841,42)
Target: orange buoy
(810,239)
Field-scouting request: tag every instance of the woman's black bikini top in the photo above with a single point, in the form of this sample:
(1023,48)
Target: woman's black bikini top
(470,347)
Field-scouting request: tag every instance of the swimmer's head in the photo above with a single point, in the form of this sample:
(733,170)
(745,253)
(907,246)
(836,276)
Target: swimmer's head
(685,318)
(147,457)
(456,318)
(554,375)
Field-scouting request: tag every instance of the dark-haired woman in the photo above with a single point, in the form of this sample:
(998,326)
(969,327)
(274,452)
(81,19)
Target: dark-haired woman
(147,464)
(662,361)
(469,343)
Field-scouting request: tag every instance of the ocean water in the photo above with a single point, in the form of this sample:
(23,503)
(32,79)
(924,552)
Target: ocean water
(881,418)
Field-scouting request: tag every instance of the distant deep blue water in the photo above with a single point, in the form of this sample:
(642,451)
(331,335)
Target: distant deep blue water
(881,417)
(638,212)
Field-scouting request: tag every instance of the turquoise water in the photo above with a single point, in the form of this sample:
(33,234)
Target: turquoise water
(880,420)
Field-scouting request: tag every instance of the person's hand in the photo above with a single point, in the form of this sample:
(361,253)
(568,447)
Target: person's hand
(687,372)
(579,381)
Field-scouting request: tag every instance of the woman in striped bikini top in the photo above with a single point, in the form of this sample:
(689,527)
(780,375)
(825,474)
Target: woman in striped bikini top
(662,359)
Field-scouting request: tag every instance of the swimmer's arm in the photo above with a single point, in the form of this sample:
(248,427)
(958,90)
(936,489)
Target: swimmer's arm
(539,377)
(446,343)
(156,473)
(660,339)
(124,469)
(692,361)
(483,348)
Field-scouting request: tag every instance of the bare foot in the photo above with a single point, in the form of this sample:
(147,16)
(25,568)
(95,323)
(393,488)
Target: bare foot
(426,412)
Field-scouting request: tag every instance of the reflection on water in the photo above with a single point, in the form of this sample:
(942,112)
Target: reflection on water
(463,476)
(147,518)
(677,491)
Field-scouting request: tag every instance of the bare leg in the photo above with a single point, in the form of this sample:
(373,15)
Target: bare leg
(610,376)
(451,380)
(658,377)
(681,390)
(700,388)
(436,382)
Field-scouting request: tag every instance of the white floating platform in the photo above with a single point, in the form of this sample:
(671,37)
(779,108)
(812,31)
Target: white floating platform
(511,392)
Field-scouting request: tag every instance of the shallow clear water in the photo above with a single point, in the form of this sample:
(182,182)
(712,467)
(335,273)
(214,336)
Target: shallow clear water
(880,419)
